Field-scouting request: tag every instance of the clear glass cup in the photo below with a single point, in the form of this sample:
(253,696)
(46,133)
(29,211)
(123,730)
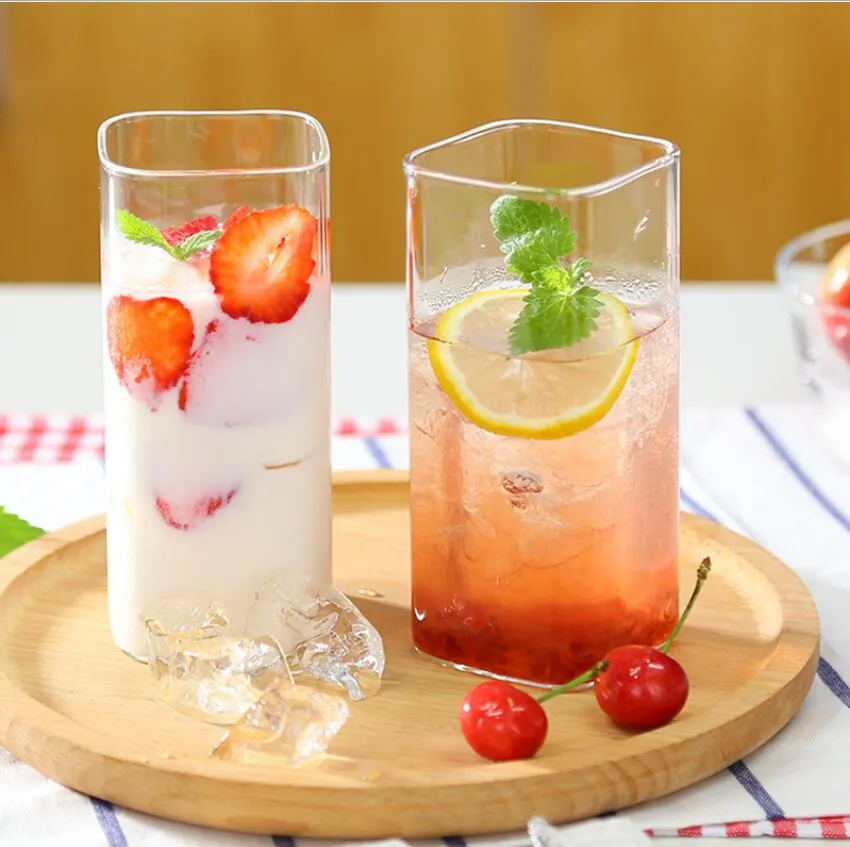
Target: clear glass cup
(215,276)
(544,464)
(812,270)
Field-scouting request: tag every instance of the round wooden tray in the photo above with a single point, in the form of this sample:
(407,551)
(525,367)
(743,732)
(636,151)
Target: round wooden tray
(86,715)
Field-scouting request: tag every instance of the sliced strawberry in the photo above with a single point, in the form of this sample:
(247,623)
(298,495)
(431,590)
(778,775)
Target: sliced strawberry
(175,234)
(315,253)
(150,343)
(241,213)
(188,515)
(261,266)
(198,357)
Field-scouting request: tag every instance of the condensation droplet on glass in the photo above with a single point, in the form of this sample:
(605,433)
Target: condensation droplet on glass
(642,225)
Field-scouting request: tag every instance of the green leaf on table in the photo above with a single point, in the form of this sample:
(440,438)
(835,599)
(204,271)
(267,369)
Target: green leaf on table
(15,532)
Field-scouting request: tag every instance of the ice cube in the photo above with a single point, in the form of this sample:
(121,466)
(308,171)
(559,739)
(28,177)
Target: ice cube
(180,614)
(202,670)
(321,631)
(140,269)
(170,619)
(290,722)
(216,679)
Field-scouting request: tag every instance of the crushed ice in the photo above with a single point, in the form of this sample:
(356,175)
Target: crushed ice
(289,722)
(282,683)
(322,632)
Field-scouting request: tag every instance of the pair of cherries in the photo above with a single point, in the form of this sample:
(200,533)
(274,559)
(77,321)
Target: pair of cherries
(636,686)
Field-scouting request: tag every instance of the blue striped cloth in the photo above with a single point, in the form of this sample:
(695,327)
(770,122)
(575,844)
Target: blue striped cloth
(762,472)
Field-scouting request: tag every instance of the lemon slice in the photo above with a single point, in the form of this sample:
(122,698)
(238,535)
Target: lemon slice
(550,394)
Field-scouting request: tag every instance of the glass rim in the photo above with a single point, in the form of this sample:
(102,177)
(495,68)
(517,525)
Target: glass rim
(785,258)
(808,239)
(114,168)
(670,154)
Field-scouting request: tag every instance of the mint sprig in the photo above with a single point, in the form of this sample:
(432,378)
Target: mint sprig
(141,232)
(560,308)
(196,242)
(15,532)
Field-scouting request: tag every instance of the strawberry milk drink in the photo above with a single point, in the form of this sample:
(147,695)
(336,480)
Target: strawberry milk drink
(216,305)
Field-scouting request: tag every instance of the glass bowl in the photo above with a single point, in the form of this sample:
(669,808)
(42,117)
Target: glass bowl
(821,329)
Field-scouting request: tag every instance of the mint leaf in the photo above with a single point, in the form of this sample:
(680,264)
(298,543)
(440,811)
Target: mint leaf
(15,532)
(195,243)
(531,233)
(579,268)
(560,309)
(142,232)
(526,256)
(549,315)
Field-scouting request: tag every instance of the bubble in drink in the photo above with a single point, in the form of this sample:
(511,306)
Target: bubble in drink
(291,723)
(522,482)
(321,631)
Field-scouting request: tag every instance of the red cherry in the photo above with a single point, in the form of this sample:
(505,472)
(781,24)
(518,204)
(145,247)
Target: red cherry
(501,723)
(642,688)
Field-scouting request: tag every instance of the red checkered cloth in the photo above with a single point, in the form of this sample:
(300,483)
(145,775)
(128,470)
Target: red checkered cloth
(59,438)
(814,828)
(67,438)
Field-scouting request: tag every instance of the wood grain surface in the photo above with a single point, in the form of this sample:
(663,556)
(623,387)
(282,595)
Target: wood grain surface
(751,92)
(86,715)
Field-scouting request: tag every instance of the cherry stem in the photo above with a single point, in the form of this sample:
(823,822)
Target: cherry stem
(702,575)
(587,676)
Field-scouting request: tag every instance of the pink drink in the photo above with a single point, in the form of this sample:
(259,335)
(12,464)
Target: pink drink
(533,558)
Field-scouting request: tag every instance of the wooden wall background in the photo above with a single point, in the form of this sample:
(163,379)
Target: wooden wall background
(755,95)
